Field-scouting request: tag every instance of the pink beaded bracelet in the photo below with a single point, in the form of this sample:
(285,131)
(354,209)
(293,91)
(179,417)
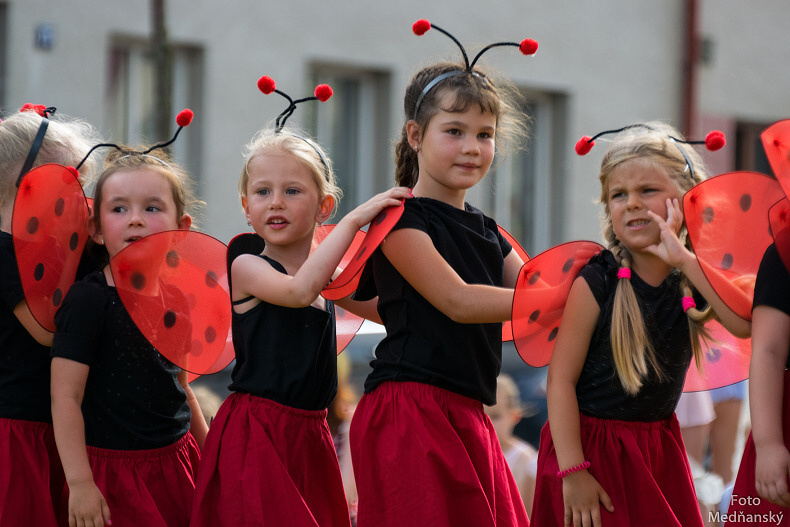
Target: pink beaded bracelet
(574,468)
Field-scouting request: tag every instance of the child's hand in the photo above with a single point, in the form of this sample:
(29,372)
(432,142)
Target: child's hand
(366,212)
(771,473)
(669,249)
(582,495)
(87,506)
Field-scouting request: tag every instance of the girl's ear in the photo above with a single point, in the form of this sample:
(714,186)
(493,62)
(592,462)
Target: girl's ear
(325,208)
(185,222)
(246,210)
(94,232)
(414,134)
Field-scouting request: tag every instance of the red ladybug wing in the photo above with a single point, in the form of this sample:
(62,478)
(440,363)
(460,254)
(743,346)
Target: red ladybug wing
(174,285)
(776,142)
(727,221)
(725,361)
(346,283)
(779,216)
(49,227)
(541,292)
(507,326)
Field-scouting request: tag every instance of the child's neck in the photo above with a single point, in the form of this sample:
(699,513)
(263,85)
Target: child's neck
(651,269)
(451,196)
(290,256)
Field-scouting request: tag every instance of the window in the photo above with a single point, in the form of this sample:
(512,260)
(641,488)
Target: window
(353,127)
(525,191)
(131,106)
(750,154)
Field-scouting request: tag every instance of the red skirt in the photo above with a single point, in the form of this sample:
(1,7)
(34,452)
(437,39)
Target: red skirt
(266,464)
(746,506)
(31,476)
(423,455)
(642,467)
(147,487)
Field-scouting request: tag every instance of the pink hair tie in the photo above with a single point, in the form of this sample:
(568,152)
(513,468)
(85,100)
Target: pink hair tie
(624,272)
(575,468)
(688,303)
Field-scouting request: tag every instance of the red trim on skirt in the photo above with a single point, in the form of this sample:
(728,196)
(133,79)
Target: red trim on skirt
(642,467)
(147,487)
(266,464)
(746,506)
(31,476)
(423,455)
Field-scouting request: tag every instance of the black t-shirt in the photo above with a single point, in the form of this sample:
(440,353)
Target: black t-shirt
(133,400)
(773,284)
(598,389)
(287,355)
(422,344)
(24,363)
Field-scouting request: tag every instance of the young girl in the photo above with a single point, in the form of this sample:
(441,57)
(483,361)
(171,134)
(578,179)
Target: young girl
(761,492)
(623,349)
(269,457)
(27,445)
(521,457)
(127,425)
(423,450)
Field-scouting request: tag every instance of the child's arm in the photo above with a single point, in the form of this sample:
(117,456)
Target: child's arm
(413,254)
(581,492)
(251,277)
(87,505)
(770,342)
(42,336)
(197,425)
(675,254)
(367,309)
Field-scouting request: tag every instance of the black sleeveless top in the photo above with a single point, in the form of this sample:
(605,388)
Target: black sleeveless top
(24,363)
(773,284)
(422,344)
(287,355)
(598,389)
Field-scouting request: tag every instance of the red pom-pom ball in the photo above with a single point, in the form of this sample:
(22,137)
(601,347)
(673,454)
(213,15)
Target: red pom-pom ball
(528,46)
(37,108)
(584,145)
(266,84)
(715,140)
(323,92)
(184,117)
(420,27)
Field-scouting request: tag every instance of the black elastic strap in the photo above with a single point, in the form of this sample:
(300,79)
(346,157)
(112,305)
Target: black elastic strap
(34,148)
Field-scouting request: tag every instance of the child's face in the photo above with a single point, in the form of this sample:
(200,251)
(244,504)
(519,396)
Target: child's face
(635,187)
(282,202)
(136,203)
(503,416)
(456,148)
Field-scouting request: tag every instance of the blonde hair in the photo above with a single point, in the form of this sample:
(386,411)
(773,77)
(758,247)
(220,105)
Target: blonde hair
(66,141)
(511,394)
(307,152)
(128,159)
(500,100)
(633,352)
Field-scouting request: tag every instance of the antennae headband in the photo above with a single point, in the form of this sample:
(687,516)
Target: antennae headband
(527,47)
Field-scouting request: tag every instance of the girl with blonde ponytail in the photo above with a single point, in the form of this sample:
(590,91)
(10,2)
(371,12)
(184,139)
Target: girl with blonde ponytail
(632,323)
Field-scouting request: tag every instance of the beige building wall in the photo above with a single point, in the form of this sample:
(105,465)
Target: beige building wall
(600,65)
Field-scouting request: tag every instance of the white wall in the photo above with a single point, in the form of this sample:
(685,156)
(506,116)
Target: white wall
(617,62)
